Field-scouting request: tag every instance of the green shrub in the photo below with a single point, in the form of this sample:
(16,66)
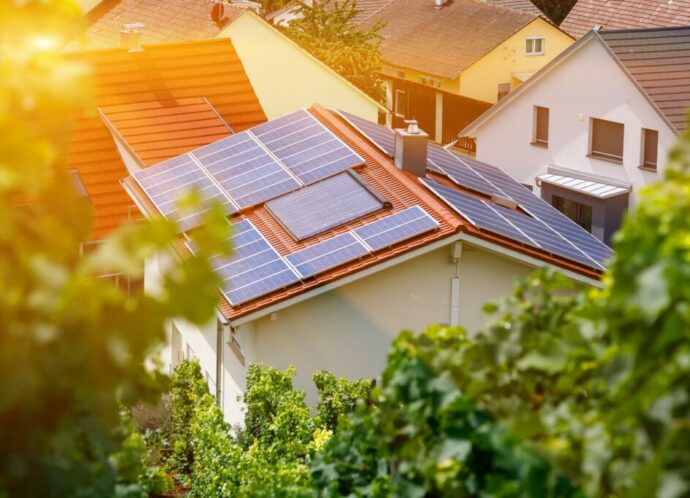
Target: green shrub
(188,386)
(338,397)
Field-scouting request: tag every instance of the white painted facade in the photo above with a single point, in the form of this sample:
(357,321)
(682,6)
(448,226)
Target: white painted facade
(588,83)
(347,327)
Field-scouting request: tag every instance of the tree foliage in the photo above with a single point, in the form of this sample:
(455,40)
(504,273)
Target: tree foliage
(556,10)
(326,31)
(72,347)
(425,438)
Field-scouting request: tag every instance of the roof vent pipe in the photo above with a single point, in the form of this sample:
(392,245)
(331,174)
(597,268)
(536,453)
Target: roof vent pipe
(411,149)
(131,35)
(439,3)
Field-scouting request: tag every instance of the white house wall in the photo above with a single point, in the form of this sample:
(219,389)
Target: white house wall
(348,330)
(589,84)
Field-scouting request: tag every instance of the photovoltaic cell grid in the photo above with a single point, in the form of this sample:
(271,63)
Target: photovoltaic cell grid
(457,170)
(245,170)
(255,267)
(511,224)
(166,182)
(381,136)
(395,228)
(324,205)
(306,147)
(328,254)
(538,208)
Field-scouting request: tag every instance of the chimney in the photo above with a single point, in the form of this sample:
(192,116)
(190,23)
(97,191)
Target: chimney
(410,148)
(130,36)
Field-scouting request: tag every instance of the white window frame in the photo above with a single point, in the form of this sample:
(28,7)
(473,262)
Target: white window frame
(533,40)
(397,101)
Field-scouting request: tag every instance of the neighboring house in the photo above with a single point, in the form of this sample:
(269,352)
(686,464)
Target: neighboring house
(336,248)
(594,126)
(284,76)
(625,14)
(445,65)
(149,105)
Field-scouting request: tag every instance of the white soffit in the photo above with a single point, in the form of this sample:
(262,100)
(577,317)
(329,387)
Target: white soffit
(587,187)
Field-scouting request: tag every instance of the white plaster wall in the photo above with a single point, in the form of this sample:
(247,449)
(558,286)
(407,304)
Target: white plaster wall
(588,84)
(348,330)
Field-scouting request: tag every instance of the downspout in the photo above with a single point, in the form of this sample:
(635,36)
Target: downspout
(220,328)
(455,257)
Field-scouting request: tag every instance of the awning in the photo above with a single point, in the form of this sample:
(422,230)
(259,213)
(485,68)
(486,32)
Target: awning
(587,187)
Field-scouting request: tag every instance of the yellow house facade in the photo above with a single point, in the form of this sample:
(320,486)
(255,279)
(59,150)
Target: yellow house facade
(444,66)
(285,77)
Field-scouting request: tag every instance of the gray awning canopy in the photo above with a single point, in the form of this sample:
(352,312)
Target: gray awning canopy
(596,189)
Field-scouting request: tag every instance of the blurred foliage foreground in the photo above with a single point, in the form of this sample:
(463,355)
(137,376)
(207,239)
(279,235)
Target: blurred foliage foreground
(567,392)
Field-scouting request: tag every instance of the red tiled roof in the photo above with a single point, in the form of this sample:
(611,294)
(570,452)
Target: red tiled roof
(444,41)
(659,60)
(159,130)
(164,21)
(172,73)
(625,14)
(400,188)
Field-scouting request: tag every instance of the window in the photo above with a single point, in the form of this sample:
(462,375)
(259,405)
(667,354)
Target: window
(576,211)
(606,140)
(534,45)
(503,90)
(400,103)
(650,146)
(541,126)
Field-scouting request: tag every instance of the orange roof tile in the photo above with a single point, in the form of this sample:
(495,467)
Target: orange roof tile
(159,130)
(400,188)
(156,86)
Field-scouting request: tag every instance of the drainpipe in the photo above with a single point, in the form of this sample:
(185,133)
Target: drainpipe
(456,255)
(220,329)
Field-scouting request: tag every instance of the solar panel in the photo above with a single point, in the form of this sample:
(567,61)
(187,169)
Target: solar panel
(166,182)
(245,170)
(538,208)
(325,205)
(308,149)
(477,212)
(381,136)
(510,224)
(395,228)
(328,254)
(545,238)
(254,269)
(453,167)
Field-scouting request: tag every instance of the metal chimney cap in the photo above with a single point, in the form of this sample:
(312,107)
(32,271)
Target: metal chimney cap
(412,126)
(135,27)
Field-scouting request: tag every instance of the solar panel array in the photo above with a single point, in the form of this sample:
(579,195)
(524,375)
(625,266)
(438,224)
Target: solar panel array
(490,181)
(541,210)
(251,167)
(245,170)
(328,254)
(324,205)
(396,228)
(255,267)
(511,224)
(166,182)
(381,136)
(306,147)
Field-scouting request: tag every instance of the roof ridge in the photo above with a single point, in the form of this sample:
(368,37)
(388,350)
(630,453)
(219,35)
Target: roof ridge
(89,51)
